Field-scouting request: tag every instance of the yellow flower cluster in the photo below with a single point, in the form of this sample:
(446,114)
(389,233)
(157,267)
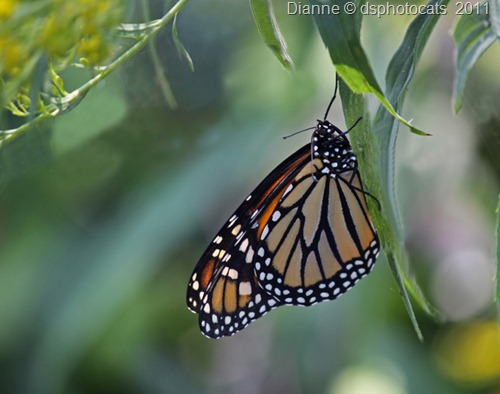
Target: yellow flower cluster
(62,30)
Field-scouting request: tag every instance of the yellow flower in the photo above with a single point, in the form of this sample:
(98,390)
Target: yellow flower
(94,49)
(7,8)
(57,36)
(11,55)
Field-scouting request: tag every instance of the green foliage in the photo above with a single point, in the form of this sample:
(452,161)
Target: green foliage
(38,35)
(57,51)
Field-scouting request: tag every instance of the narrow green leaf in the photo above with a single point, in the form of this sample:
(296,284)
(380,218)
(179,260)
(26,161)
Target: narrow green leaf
(341,35)
(263,15)
(398,76)
(183,53)
(473,34)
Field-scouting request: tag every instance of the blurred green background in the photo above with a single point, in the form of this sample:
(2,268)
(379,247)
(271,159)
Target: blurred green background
(106,210)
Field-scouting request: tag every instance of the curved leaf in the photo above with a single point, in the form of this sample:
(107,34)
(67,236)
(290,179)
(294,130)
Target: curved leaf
(473,35)
(263,15)
(181,49)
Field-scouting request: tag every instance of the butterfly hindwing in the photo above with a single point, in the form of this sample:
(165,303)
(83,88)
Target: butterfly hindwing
(234,298)
(319,240)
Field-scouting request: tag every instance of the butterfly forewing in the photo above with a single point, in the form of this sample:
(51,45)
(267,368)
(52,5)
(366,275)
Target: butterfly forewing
(233,251)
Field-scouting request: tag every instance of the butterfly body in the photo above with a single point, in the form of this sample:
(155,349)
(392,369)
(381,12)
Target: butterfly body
(303,236)
(330,145)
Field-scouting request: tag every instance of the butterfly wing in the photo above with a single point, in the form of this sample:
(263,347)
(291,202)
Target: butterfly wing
(223,288)
(319,239)
(234,298)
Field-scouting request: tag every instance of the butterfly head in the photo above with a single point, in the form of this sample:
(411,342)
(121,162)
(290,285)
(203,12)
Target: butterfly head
(330,144)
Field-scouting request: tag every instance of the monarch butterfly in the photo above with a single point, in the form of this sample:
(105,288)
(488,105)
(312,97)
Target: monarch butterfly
(303,236)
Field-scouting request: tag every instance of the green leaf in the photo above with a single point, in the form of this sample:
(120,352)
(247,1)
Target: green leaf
(398,76)
(263,15)
(473,35)
(341,35)
(365,144)
(183,53)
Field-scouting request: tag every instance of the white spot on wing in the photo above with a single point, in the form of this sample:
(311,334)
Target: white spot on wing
(245,288)
(233,274)
(288,190)
(264,232)
(236,230)
(249,255)
(244,245)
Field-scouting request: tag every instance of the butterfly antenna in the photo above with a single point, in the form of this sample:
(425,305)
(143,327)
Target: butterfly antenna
(333,98)
(298,132)
(354,125)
